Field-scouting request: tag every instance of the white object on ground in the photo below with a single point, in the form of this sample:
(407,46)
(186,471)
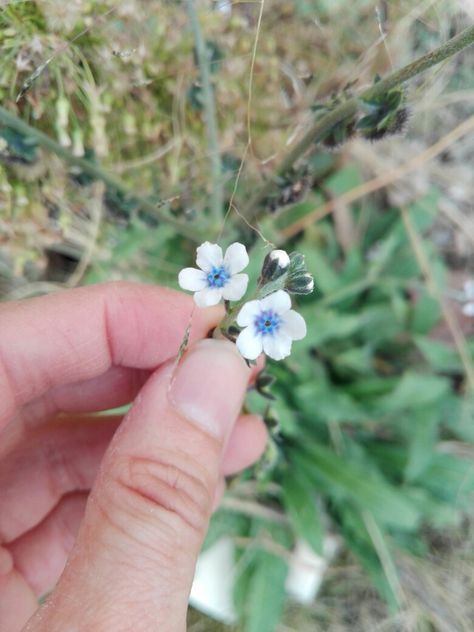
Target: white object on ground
(211,592)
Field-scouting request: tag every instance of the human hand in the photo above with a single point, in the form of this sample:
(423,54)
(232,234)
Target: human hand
(139,506)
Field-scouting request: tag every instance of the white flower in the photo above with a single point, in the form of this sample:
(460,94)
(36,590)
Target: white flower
(468,310)
(218,276)
(469,290)
(270,326)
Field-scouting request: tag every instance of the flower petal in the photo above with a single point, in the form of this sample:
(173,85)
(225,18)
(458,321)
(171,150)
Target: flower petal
(249,343)
(192,279)
(248,313)
(277,346)
(209,256)
(236,258)
(293,325)
(279,302)
(236,287)
(208,297)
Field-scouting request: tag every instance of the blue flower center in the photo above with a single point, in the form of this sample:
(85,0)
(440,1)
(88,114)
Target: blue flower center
(217,277)
(267,322)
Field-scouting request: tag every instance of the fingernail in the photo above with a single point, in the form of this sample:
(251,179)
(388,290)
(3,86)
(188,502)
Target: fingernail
(209,386)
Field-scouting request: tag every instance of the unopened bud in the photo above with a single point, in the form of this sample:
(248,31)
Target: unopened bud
(300,284)
(276,263)
(299,280)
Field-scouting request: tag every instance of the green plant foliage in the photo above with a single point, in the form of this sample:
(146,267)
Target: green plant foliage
(371,413)
(371,396)
(299,502)
(259,591)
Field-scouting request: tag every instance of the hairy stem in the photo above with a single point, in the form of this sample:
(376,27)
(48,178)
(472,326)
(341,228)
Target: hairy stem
(9,119)
(324,124)
(209,112)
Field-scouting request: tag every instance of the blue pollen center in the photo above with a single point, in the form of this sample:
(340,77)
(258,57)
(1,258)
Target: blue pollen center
(217,277)
(267,322)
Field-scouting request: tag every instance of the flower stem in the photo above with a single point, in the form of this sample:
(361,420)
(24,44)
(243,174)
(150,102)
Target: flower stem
(324,124)
(12,121)
(209,112)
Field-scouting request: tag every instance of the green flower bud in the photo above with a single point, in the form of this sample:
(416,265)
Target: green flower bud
(300,284)
(299,280)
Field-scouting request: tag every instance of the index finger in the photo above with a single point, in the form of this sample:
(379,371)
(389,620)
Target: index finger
(79,334)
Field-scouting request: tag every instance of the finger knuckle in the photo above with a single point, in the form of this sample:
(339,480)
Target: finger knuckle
(171,491)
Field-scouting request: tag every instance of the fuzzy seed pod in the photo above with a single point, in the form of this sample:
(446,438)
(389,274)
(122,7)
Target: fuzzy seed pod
(392,125)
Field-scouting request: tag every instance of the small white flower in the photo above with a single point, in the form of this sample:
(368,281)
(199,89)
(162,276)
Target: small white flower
(469,290)
(218,276)
(270,326)
(468,310)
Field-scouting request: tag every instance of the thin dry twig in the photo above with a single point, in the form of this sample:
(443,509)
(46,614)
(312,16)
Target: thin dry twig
(251,508)
(448,314)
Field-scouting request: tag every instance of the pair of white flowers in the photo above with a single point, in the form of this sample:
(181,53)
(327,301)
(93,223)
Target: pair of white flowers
(269,324)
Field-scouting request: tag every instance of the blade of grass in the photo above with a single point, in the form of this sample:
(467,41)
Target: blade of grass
(209,113)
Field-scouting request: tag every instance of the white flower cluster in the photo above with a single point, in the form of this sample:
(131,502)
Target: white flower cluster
(268,324)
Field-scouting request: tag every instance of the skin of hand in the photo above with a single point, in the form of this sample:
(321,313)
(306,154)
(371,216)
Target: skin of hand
(110,513)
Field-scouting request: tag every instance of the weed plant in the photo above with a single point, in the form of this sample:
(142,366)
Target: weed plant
(371,419)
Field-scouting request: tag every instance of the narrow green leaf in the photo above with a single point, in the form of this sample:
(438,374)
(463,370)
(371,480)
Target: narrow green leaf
(440,356)
(346,480)
(415,390)
(266,594)
(300,502)
(422,434)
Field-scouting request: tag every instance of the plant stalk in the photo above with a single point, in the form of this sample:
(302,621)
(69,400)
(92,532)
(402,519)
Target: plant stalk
(322,126)
(217,194)
(9,119)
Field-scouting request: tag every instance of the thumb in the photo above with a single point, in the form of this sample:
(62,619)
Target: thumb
(134,560)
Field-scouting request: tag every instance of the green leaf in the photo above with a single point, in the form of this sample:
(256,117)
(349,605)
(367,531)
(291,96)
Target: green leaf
(325,324)
(355,360)
(328,403)
(379,323)
(441,356)
(259,588)
(300,502)
(451,479)
(225,524)
(362,545)
(414,390)
(326,278)
(344,179)
(435,513)
(368,122)
(266,594)
(423,433)
(346,480)
(297,211)
(425,314)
